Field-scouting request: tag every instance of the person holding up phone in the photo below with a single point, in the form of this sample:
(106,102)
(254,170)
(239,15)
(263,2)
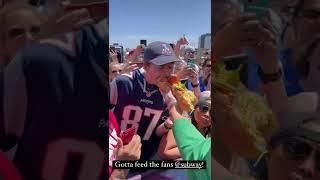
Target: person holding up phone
(177,47)
(68,15)
(136,99)
(66,108)
(119,150)
(246,31)
(135,57)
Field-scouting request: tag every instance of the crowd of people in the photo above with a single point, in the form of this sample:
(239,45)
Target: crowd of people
(281,66)
(56,91)
(140,99)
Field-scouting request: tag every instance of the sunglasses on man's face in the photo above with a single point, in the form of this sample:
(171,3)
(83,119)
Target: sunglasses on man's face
(204,108)
(299,149)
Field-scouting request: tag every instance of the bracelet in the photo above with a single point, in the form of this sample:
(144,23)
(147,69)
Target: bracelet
(195,85)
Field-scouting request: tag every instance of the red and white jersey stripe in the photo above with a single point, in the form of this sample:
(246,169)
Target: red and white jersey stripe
(114,132)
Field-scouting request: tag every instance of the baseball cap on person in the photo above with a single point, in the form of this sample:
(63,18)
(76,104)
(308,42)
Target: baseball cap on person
(205,98)
(159,53)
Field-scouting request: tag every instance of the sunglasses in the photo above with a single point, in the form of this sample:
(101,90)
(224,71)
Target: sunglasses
(15,32)
(204,108)
(298,149)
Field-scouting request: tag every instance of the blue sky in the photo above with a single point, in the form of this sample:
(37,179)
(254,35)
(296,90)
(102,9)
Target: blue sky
(164,20)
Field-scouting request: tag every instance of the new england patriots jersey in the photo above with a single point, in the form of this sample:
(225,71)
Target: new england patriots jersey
(55,99)
(139,104)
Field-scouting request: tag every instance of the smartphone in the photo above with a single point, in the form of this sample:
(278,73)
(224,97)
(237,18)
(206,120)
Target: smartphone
(127,135)
(236,61)
(258,7)
(143,41)
(191,62)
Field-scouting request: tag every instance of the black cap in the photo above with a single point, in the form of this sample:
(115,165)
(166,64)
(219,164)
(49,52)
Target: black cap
(159,53)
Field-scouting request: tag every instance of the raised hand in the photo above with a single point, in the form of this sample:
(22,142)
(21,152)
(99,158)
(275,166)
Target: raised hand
(236,34)
(129,68)
(139,49)
(267,47)
(131,151)
(183,41)
(113,55)
(74,18)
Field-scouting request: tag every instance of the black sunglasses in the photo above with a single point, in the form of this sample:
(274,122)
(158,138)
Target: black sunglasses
(298,149)
(204,108)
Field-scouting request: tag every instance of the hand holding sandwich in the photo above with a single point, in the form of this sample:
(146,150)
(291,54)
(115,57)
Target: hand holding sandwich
(171,89)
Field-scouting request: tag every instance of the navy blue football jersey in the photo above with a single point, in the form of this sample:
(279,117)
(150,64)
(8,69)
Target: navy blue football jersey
(139,104)
(58,88)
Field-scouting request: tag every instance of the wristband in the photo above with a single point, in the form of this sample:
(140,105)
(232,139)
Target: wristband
(161,130)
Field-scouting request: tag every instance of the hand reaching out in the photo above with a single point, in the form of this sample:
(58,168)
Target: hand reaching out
(236,34)
(188,72)
(182,41)
(267,47)
(131,151)
(129,68)
(74,18)
(114,56)
(140,49)
(163,84)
